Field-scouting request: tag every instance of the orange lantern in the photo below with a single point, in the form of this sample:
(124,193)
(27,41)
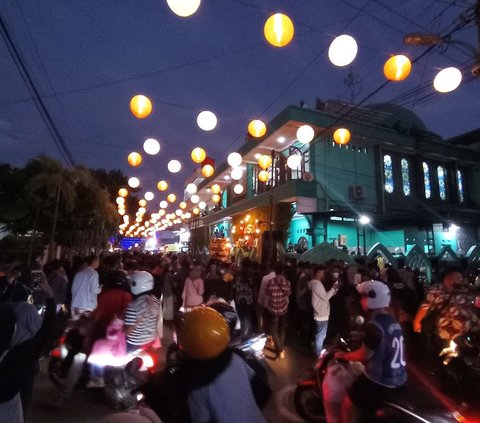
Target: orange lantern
(196,210)
(171,198)
(140,106)
(265,161)
(183,205)
(263,176)
(134,159)
(198,155)
(122,192)
(216,198)
(216,189)
(397,68)
(341,136)
(278,30)
(142,203)
(256,128)
(162,185)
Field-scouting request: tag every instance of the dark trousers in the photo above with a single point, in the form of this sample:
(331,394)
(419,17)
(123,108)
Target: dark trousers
(246,314)
(278,328)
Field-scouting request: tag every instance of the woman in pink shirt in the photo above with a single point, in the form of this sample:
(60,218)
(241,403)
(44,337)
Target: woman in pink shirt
(193,290)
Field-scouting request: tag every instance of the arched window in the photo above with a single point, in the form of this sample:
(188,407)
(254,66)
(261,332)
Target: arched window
(388,173)
(461,194)
(426,180)
(405,176)
(442,173)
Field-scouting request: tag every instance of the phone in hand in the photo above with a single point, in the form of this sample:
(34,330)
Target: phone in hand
(37,278)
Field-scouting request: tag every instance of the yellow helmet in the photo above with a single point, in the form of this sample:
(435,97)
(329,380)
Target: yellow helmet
(203,333)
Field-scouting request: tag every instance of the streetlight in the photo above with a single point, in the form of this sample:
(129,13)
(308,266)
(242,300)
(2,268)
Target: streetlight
(362,220)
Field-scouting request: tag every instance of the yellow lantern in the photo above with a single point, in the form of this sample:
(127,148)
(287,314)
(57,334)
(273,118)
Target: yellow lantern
(256,128)
(171,198)
(263,176)
(278,30)
(207,170)
(134,159)
(120,200)
(341,136)
(198,155)
(122,192)
(397,68)
(265,161)
(140,106)
(142,203)
(216,198)
(162,185)
(216,189)
(183,205)
(196,210)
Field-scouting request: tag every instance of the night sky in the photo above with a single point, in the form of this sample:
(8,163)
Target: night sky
(88,58)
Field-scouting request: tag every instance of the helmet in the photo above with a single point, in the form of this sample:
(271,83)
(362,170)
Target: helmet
(378,294)
(141,282)
(203,333)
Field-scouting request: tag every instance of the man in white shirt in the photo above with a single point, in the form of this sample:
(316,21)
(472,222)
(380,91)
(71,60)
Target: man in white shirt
(85,288)
(321,306)
(263,300)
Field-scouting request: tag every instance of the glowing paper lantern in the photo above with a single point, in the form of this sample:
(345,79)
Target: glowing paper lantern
(133,182)
(171,198)
(191,188)
(397,68)
(184,8)
(257,129)
(183,205)
(343,50)
(265,161)
(341,136)
(234,159)
(279,30)
(263,176)
(120,200)
(196,210)
(140,106)
(294,161)
(122,192)
(121,212)
(238,189)
(305,134)
(149,196)
(207,170)
(188,215)
(142,203)
(216,189)
(134,159)
(163,205)
(447,80)
(198,155)
(236,173)
(195,199)
(162,185)
(206,120)
(174,166)
(142,210)
(178,212)
(162,212)
(202,205)
(216,198)
(151,146)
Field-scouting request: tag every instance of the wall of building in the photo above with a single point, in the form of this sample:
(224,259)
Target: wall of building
(298,228)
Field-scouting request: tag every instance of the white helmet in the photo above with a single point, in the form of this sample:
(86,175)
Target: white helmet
(141,282)
(378,294)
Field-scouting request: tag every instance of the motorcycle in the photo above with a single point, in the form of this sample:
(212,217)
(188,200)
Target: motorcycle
(411,405)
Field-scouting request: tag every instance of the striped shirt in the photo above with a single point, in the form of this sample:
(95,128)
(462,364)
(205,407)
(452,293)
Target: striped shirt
(143,313)
(278,291)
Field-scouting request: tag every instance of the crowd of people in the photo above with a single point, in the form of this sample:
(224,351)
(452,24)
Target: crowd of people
(125,298)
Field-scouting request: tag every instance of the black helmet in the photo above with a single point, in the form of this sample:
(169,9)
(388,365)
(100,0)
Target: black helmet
(116,279)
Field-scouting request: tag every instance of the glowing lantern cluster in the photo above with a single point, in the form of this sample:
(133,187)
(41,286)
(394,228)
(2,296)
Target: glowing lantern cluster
(397,68)
(184,8)
(206,120)
(343,50)
(265,162)
(341,136)
(134,159)
(198,155)
(305,134)
(279,30)
(174,166)
(234,159)
(133,182)
(257,129)
(171,198)
(447,80)
(263,176)
(216,189)
(140,106)
(151,146)
(162,185)
(122,192)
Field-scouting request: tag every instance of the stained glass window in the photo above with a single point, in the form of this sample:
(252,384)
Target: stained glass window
(426,180)
(405,176)
(461,194)
(441,173)
(388,173)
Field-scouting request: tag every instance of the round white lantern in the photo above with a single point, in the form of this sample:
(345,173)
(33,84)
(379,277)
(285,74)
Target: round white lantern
(184,8)
(163,204)
(195,199)
(191,188)
(236,173)
(294,161)
(238,189)
(133,182)
(343,50)
(305,134)
(447,80)
(149,196)
(234,159)
(174,166)
(206,120)
(151,146)
(202,205)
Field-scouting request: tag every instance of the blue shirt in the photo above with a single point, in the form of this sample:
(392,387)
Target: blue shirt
(85,289)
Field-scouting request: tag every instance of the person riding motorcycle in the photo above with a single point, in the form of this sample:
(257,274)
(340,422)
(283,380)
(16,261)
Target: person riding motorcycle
(382,352)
